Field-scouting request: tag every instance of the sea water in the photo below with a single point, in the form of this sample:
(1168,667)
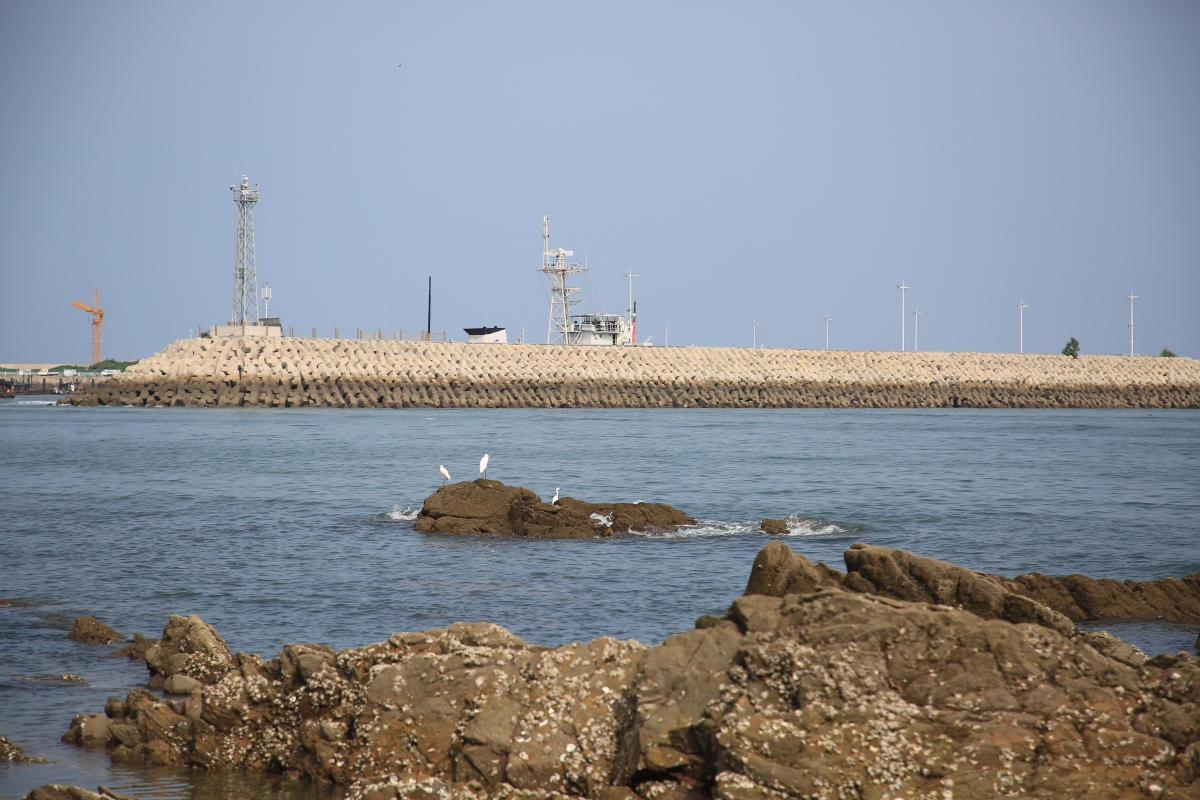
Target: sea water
(282,526)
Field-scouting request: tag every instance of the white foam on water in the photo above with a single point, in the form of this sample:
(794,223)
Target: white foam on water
(802,526)
(403,512)
(797,526)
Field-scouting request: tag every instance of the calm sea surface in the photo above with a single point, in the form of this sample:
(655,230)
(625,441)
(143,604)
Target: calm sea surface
(295,526)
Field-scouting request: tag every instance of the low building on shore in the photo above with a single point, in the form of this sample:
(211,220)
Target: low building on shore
(486,335)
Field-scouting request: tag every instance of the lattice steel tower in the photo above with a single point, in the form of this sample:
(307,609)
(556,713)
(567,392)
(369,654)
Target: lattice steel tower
(554,264)
(245,277)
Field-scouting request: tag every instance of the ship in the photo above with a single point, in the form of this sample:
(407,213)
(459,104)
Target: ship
(581,329)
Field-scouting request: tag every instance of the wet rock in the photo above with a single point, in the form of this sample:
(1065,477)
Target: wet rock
(11,751)
(93,631)
(90,730)
(54,791)
(490,507)
(775,527)
(189,647)
(136,650)
(62,677)
(782,527)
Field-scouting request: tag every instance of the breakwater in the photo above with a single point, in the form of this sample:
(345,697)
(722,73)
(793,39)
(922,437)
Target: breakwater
(292,372)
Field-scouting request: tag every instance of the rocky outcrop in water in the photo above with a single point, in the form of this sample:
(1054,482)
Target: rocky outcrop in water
(92,631)
(137,649)
(779,527)
(54,791)
(11,751)
(1056,602)
(1080,597)
(490,507)
(807,688)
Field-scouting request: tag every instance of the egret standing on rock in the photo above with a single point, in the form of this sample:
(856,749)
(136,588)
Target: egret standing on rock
(554,500)
(483,465)
(445,473)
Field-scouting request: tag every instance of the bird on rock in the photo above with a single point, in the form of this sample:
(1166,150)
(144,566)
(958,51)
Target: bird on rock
(483,465)
(445,472)
(554,500)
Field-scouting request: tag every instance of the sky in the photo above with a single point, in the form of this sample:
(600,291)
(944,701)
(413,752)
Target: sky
(751,162)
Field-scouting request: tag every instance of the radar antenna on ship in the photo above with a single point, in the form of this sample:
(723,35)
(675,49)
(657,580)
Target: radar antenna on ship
(579,329)
(555,266)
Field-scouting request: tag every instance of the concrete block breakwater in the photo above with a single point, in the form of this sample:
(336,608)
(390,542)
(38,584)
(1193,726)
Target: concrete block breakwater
(291,372)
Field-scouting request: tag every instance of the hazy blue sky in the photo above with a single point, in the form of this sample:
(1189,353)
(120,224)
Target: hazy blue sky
(750,161)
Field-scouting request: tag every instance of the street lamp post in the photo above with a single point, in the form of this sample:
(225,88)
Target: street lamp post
(1021,308)
(1131,297)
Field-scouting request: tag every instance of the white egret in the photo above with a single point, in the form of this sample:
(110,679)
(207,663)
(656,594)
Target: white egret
(554,499)
(445,472)
(483,465)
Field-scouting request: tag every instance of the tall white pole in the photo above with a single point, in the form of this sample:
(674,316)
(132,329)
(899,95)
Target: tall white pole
(666,335)
(629,310)
(753,335)
(916,328)
(1131,297)
(902,289)
(1021,309)
(827,319)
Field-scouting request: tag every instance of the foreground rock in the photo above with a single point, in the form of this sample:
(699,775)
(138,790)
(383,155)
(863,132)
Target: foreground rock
(490,507)
(92,631)
(808,688)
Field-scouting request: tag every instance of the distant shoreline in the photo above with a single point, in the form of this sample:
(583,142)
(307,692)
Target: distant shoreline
(293,372)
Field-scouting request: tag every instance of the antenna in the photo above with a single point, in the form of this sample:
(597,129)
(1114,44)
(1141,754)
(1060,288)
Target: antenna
(429,312)
(902,289)
(1131,297)
(1021,308)
(916,326)
(827,320)
(632,309)
(555,266)
(245,276)
(266,296)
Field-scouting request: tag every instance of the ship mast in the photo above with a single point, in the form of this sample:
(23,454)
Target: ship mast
(555,266)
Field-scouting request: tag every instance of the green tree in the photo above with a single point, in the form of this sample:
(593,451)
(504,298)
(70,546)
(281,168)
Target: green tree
(1167,353)
(1071,348)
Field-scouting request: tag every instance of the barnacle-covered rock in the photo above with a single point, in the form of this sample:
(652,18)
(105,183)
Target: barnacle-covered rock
(189,647)
(820,692)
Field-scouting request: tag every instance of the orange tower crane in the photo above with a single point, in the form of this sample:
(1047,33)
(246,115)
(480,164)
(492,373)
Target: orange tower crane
(97,320)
